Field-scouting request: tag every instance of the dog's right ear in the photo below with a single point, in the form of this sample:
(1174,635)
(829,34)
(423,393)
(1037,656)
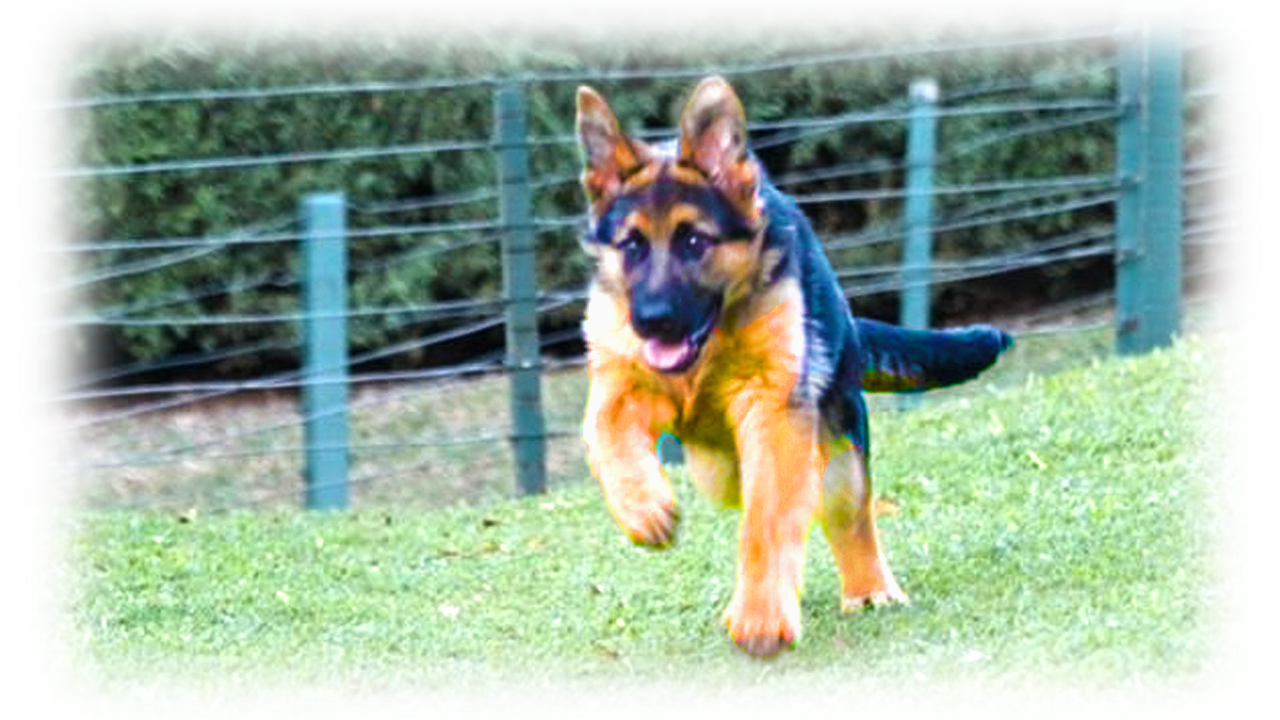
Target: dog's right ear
(608,155)
(713,139)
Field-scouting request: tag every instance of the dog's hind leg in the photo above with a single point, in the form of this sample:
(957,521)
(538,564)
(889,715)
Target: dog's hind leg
(715,473)
(847,513)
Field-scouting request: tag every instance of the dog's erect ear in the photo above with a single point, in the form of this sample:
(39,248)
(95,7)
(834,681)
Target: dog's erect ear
(713,138)
(608,155)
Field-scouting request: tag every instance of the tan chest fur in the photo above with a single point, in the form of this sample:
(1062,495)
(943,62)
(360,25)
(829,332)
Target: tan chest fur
(753,357)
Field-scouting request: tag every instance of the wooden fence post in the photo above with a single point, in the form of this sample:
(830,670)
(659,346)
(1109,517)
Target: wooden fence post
(1149,207)
(519,282)
(324,403)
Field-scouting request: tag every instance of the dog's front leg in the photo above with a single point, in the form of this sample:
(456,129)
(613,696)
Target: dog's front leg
(781,486)
(621,430)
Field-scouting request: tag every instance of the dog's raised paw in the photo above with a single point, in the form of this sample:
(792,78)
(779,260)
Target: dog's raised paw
(651,524)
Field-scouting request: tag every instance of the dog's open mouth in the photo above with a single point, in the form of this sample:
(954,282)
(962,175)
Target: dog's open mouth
(675,356)
(670,357)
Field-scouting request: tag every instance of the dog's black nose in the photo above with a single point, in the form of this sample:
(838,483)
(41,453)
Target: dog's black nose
(656,318)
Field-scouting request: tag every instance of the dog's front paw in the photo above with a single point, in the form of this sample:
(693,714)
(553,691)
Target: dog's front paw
(649,521)
(763,624)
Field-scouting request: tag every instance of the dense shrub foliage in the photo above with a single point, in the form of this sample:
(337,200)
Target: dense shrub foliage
(395,265)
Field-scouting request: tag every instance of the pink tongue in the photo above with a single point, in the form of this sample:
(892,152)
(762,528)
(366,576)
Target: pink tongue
(666,356)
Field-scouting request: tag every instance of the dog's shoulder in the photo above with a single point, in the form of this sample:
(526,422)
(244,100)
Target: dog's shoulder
(794,251)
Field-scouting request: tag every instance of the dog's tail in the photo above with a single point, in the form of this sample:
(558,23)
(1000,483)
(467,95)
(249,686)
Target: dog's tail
(895,359)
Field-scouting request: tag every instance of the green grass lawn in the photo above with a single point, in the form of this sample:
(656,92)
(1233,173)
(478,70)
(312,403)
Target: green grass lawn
(1053,528)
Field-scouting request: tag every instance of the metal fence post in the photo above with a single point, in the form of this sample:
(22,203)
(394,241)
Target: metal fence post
(917,248)
(917,213)
(324,402)
(1149,207)
(519,281)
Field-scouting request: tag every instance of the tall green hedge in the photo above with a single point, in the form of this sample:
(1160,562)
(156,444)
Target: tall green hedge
(420,268)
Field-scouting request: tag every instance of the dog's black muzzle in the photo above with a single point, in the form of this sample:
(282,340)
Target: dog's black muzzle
(674,321)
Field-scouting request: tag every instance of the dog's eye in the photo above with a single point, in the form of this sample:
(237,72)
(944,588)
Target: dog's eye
(634,247)
(691,244)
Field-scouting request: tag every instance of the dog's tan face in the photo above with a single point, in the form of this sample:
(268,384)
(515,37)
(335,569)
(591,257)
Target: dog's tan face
(677,228)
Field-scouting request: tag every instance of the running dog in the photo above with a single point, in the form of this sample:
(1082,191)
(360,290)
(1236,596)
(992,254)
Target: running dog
(715,316)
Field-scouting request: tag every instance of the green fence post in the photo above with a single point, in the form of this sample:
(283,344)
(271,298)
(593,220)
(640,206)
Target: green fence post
(917,213)
(917,251)
(1149,206)
(324,403)
(519,281)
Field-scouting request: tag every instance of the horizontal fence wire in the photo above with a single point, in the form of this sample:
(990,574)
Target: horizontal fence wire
(276,93)
(366,87)
(293,378)
(192,165)
(241,435)
(916,50)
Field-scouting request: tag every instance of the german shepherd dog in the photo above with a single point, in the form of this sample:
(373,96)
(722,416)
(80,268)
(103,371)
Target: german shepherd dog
(715,316)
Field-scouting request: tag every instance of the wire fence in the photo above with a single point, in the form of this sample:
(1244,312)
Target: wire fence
(156,433)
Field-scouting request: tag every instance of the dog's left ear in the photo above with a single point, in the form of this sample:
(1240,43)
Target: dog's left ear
(713,138)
